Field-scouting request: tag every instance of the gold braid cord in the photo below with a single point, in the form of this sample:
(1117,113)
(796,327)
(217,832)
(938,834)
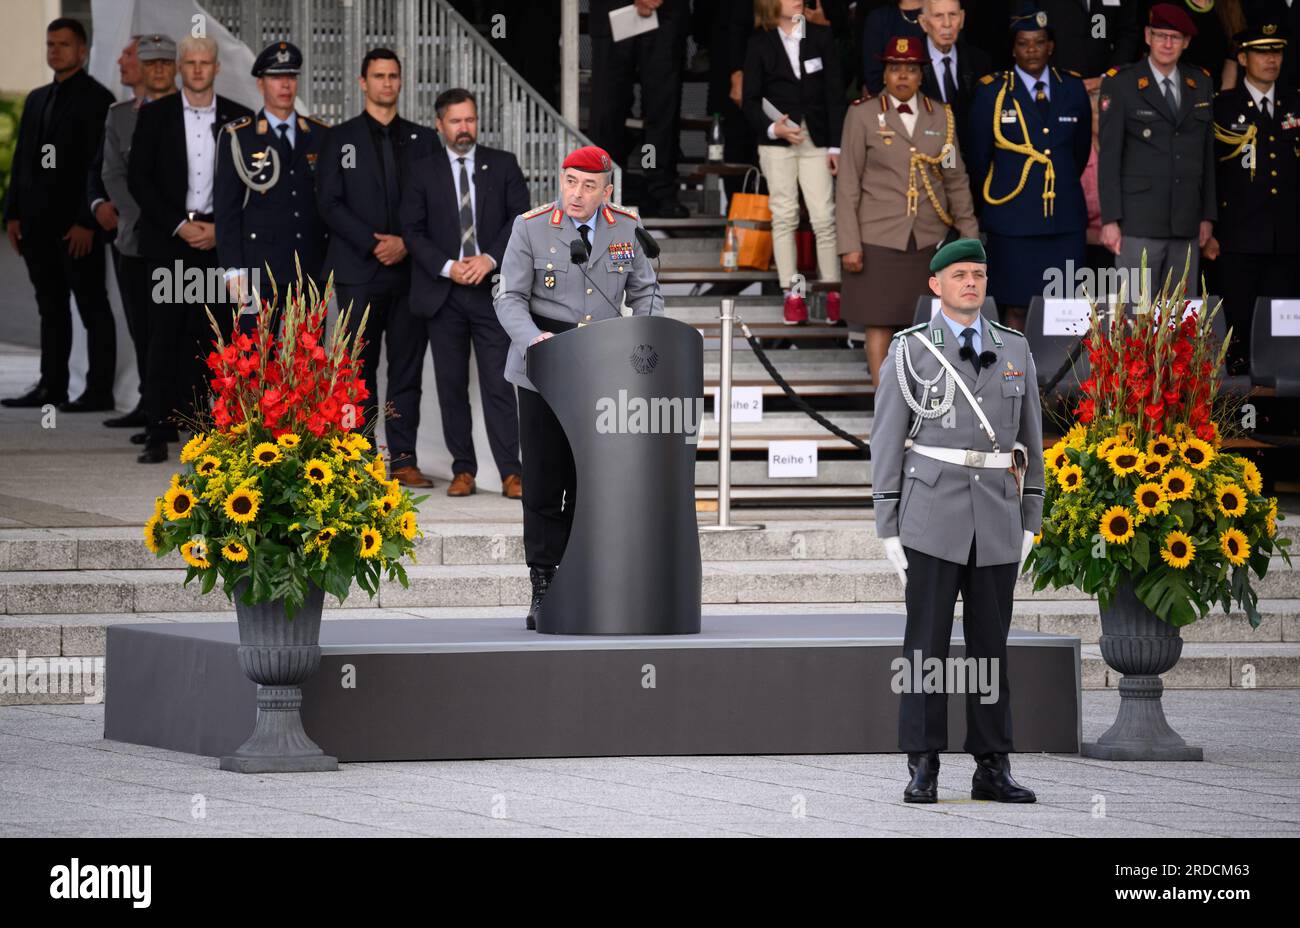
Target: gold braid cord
(1032,156)
(1241,140)
(918,165)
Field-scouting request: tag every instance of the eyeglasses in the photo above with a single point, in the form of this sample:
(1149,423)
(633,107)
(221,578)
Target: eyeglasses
(1166,38)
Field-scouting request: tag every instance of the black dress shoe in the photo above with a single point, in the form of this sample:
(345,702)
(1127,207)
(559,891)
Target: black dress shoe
(153,454)
(139,438)
(142,438)
(135,419)
(993,781)
(541,578)
(87,403)
(34,398)
(924,785)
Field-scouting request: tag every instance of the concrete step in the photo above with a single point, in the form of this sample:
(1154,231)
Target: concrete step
(822,580)
(787,426)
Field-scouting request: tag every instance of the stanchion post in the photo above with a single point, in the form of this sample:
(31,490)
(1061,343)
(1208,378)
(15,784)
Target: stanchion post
(727,318)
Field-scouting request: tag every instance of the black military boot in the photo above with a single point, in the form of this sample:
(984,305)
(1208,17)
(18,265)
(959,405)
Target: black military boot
(541,578)
(924,785)
(992,780)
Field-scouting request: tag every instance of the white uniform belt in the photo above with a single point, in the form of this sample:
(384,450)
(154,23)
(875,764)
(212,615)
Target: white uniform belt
(962,456)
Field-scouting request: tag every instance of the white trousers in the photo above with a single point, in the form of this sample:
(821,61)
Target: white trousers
(788,168)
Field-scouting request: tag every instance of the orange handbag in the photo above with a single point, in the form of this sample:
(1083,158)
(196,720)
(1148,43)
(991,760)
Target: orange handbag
(749,226)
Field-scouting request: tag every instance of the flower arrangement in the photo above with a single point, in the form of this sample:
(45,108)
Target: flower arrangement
(1140,490)
(282,489)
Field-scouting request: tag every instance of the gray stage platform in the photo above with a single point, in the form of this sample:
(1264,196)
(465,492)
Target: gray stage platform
(440,689)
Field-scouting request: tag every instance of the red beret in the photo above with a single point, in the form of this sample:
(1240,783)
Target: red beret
(904,50)
(588,158)
(1168,16)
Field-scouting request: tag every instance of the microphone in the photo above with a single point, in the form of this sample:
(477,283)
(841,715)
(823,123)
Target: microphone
(651,249)
(578,254)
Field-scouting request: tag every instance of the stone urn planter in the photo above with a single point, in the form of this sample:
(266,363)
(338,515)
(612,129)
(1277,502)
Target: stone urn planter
(278,654)
(1137,644)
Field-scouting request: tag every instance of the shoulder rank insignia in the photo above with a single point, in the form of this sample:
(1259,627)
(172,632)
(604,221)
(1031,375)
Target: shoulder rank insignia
(262,126)
(987,79)
(236,124)
(320,122)
(1206,72)
(929,107)
(608,215)
(1191,82)
(909,331)
(936,334)
(629,211)
(538,210)
(1004,328)
(1111,72)
(557,215)
(862,99)
(1142,83)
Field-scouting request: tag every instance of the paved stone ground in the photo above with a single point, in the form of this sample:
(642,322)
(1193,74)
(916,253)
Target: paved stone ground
(58,777)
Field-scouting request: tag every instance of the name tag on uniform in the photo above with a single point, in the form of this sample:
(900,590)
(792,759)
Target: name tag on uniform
(931,132)
(812,66)
(1068,119)
(1144,112)
(1008,115)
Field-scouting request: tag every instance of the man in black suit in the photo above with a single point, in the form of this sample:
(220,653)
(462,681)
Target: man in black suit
(954,66)
(359,180)
(457,211)
(170,174)
(49,222)
(1092,36)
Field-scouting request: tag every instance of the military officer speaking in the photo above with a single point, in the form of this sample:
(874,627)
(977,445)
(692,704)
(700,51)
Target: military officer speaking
(957,458)
(264,196)
(543,291)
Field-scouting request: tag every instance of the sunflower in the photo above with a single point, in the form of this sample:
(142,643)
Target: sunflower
(1126,432)
(1198,454)
(194,447)
(196,554)
(345,450)
(267,454)
(370,542)
(288,440)
(1039,537)
(1182,432)
(1117,525)
(1178,483)
(242,505)
(1233,544)
(239,429)
(234,551)
(386,504)
(318,472)
(1270,524)
(358,441)
(394,487)
(1077,437)
(1070,477)
(151,539)
(1153,466)
(177,503)
(407,525)
(1150,499)
(377,469)
(1056,458)
(1178,550)
(356,476)
(208,465)
(1107,444)
(1231,499)
(1250,476)
(1160,447)
(325,535)
(1124,459)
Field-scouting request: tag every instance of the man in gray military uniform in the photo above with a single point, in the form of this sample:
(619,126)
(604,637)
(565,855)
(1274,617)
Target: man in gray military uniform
(543,291)
(957,463)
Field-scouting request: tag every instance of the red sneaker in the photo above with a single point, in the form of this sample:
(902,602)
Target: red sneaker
(796,310)
(832,307)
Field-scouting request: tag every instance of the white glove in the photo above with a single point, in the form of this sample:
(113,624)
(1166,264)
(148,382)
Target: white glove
(894,552)
(1025,547)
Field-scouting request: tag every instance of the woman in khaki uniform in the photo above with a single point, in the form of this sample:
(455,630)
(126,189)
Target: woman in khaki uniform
(902,186)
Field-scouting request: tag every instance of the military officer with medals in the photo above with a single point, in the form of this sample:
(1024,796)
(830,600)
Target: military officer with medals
(1257,235)
(1030,138)
(264,198)
(957,462)
(543,292)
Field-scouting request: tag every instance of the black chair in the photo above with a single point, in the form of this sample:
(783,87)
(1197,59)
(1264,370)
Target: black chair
(1274,359)
(927,306)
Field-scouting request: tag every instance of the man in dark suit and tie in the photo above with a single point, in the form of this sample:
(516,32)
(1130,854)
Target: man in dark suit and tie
(953,67)
(363,165)
(457,212)
(49,222)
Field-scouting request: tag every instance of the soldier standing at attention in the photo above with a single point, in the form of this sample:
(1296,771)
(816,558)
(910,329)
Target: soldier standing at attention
(1029,141)
(957,455)
(1155,170)
(265,197)
(542,293)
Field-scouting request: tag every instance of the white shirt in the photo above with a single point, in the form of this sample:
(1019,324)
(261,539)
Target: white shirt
(790,42)
(1029,82)
(1256,94)
(936,62)
(200,154)
(275,123)
(909,119)
(454,158)
(1160,81)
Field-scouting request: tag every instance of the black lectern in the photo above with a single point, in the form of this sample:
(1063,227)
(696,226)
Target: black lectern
(629,393)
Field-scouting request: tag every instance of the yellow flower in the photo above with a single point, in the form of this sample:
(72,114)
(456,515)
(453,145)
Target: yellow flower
(370,542)
(208,465)
(1251,476)
(1126,432)
(386,504)
(355,476)
(1056,458)
(239,429)
(1198,454)
(345,450)
(358,441)
(1070,477)
(377,469)
(1104,449)
(177,503)
(1038,538)
(407,525)
(158,506)
(1124,459)
(194,447)
(1178,550)
(394,487)
(1117,525)
(234,551)
(151,539)
(295,526)
(1160,447)
(1270,525)
(1232,542)
(1150,499)
(325,535)
(1231,499)
(196,554)
(318,472)
(1182,432)
(1077,437)
(242,505)
(1153,467)
(267,454)
(288,440)
(1178,483)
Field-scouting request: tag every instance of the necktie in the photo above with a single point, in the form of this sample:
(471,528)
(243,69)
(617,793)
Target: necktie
(584,231)
(285,148)
(467,245)
(904,108)
(1263,107)
(1040,97)
(967,336)
(390,177)
(1169,97)
(949,82)
(47,114)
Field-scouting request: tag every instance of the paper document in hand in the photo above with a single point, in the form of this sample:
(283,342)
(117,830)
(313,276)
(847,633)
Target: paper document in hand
(626,22)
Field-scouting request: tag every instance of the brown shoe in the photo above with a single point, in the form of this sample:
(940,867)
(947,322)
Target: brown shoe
(410,476)
(512,487)
(462,485)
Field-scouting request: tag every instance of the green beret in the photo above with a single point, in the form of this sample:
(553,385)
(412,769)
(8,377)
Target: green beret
(964,249)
